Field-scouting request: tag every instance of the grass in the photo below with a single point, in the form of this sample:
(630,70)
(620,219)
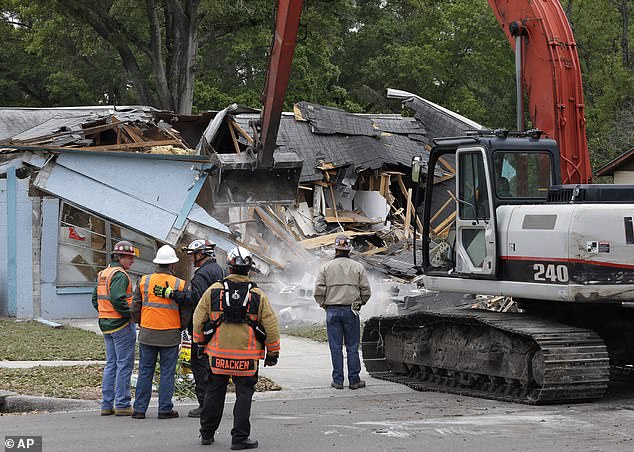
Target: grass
(307,331)
(33,341)
(75,382)
(84,382)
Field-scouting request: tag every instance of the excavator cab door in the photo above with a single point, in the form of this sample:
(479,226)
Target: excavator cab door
(475,246)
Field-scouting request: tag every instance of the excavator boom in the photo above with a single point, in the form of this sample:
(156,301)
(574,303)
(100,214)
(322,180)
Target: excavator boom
(551,77)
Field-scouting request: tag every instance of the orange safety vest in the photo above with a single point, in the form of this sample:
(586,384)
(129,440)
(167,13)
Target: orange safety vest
(159,313)
(106,310)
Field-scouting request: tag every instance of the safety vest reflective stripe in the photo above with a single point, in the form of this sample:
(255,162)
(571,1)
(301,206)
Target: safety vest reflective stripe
(159,313)
(273,346)
(106,310)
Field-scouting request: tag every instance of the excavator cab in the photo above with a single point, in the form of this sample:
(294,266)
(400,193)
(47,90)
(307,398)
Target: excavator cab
(462,237)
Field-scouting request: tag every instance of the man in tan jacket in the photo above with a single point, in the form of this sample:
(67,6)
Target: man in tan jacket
(235,320)
(341,288)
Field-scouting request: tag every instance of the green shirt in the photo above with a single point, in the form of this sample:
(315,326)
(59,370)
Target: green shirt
(118,295)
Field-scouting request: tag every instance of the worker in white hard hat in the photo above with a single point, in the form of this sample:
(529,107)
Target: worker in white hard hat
(202,256)
(160,334)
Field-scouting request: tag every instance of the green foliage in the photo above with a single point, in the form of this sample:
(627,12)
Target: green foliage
(451,52)
(33,341)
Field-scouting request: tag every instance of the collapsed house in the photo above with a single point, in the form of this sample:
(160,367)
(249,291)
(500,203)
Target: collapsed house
(74,181)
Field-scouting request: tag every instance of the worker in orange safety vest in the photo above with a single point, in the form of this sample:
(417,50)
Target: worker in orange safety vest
(111,298)
(159,336)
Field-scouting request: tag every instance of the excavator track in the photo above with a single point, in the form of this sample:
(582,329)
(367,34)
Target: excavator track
(502,356)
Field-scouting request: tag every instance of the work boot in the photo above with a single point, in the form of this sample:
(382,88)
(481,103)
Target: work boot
(196,412)
(109,412)
(358,385)
(336,385)
(246,444)
(138,415)
(169,415)
(124,411)
(205,438)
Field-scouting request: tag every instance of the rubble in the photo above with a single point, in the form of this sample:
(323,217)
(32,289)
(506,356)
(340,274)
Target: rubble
(163,167)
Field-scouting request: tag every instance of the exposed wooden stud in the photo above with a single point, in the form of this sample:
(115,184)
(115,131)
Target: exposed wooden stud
(408,213)
(443,207)
(241,131)
(233,138)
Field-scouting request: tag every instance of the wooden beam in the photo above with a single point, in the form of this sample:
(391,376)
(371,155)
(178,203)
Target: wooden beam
(233,138)
(406,194)
(280,232)
(408,213)
(451,169)
(241,131)
(444,206)
(446,222)
(329,239)
(121,147)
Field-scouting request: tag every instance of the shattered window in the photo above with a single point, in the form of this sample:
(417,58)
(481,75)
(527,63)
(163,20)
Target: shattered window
(85,245)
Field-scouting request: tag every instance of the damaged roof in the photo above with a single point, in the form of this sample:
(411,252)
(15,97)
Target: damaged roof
(327,134)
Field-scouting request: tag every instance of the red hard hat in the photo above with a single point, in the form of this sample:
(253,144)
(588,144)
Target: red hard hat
(124,248)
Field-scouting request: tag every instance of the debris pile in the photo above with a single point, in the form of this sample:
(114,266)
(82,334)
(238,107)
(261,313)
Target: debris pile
(123,131)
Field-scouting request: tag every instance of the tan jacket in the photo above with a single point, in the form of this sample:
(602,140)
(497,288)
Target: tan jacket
(234,349)
(342,281)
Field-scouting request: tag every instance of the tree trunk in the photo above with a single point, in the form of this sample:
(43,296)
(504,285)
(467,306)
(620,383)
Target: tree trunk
(624,10)
(182,27)
(172,57)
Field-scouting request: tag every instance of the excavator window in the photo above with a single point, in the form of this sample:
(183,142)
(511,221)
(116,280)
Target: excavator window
(472,189)
(522,174)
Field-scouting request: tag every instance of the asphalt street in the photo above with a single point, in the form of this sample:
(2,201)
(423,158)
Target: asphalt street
(308,415)
(382,417)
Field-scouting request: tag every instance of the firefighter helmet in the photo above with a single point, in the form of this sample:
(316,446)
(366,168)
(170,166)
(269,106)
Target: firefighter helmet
(124,248)
(202,246)
(165,255)
(240,258)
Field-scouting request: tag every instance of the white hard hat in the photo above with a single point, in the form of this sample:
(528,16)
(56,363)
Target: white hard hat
(240,258)
(165,255)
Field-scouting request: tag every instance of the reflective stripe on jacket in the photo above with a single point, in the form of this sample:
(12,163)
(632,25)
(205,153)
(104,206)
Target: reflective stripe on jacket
(159,313)
(234,349)
(106,310)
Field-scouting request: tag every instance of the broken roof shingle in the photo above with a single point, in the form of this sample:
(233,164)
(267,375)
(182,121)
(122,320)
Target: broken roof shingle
(402,139)
(329,121)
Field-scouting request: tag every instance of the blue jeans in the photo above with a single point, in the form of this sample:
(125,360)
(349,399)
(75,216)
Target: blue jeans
(148,355)
(115,385)
(343,326)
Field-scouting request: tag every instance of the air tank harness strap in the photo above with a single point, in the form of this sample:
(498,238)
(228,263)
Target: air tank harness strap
(235,314)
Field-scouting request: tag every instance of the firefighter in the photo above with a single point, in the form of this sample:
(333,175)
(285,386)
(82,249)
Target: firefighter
(203,257)
(235,320)
(160,334)
(111,299)
(341,288)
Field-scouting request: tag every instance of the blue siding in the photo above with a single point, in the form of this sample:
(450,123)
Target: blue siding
(3,248)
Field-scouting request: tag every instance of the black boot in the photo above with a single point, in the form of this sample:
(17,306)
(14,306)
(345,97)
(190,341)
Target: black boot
(195,412)
(205,438)
(245,444)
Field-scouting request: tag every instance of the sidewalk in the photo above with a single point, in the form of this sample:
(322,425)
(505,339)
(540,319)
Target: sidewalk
(303,371)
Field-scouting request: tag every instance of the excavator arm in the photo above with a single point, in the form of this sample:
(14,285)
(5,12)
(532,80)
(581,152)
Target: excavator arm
(278,73)
(260,175)
(548,66)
